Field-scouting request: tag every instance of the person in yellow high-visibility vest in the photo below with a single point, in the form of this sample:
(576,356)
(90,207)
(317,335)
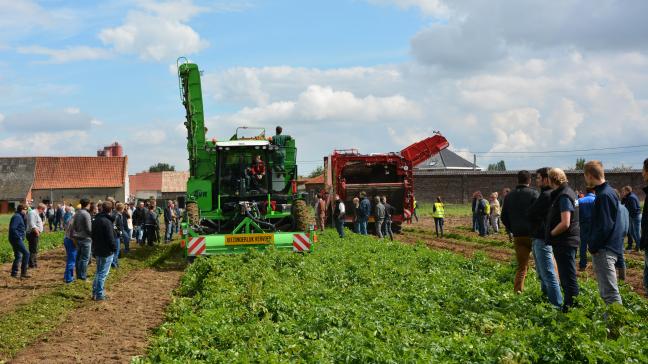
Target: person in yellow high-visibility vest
(438,213)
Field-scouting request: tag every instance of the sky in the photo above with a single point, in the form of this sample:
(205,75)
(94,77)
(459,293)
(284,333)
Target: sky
(535,83)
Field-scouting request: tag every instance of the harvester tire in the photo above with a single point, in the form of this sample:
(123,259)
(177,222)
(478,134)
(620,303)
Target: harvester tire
(193,214)
(302,216)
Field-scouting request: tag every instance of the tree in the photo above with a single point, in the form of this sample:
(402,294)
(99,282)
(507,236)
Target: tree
(580,164)
(499,166)
(161,167)
(316,172)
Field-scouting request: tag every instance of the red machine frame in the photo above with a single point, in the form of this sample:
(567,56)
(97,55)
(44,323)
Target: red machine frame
(404,163)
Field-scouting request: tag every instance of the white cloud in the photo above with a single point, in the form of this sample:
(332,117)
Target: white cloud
(157,31)
(47,120)
(68,142)
(18,17)
(69,54)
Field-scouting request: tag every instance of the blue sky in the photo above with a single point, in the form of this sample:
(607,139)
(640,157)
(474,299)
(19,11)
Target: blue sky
(371,74)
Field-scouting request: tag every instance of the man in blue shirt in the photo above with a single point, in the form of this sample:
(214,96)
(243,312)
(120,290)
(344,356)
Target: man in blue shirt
(606,233)
(631,202)
(16,239)
(585,205)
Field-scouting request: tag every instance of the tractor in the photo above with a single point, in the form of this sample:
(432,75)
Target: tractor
(242,191)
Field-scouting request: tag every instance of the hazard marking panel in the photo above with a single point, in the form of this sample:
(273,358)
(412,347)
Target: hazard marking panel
(249,239)
(301,243)
(407,213)
(196,246)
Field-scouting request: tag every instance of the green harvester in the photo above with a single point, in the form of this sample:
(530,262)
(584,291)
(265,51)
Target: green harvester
(241,192)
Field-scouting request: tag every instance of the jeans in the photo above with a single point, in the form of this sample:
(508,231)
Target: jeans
(126,241)
(438,226)
(138,232)
(475,221)
(634,232)
(32,239)
(584,236)
(168,234)
(494,221)
(83,258)
(21,257)
(356,226)
(115,258)
(546,270)
(566,261)
(387,229)
(339,226)
(103,268)
(70,261)
(378,227)
(362,222)
(522,253)
(603,263)
(481,225)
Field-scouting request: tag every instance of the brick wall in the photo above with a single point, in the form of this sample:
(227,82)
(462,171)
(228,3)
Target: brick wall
(73,195)
(458,187)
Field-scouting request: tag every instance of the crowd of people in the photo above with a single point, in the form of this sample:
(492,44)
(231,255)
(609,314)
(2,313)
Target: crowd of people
(556,223)
(361,211)
(103,230)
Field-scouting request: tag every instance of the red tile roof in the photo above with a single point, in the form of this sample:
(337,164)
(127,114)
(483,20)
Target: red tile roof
(79,172)
(317,180)
(158,181)
(145,181)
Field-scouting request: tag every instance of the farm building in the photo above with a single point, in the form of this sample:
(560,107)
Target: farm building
(169,185)
(446,160)
(61,179)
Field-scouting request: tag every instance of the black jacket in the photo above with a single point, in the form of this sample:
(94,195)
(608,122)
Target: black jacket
(570,237)
(537,213)
(389,211)
(103,238)
(607,230)
(139,215)
(168,215)
(514,212)
(644,222)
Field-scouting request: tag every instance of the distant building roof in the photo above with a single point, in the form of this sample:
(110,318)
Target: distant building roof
(170,181)
(317,180)
(16,178)
(79,172)
(174,181)
(446,160)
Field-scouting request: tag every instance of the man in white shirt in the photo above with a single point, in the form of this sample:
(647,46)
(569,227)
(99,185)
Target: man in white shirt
(34,229)
(338,215)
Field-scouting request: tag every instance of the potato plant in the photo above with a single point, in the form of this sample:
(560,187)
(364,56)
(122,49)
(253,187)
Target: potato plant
(363,300)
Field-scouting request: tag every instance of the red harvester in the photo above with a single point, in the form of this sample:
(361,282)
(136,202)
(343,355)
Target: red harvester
(347,173)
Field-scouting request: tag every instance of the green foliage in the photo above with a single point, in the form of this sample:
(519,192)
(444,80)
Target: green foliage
(499,166)
(47,241)
(580,164)
(363,300)
(451,210)
(161,167)
(316,172)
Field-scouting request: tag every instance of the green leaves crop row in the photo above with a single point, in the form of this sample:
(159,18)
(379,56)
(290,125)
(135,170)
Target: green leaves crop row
(364,300)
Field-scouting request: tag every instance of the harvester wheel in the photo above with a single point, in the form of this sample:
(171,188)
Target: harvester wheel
(193,214)
(302,215)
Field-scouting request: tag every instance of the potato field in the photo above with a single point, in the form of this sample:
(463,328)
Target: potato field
(360,300)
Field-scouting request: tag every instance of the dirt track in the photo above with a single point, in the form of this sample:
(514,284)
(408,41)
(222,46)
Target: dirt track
(111,331)
(48,275)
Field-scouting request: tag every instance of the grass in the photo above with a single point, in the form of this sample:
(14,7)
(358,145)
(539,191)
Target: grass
(21,327)
(451,210)
(48,240)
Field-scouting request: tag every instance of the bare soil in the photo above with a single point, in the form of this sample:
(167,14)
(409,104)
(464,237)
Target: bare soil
(48,275)
(111,331)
